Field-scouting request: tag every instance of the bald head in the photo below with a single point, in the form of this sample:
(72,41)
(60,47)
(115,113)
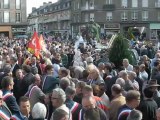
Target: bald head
(88,102)
(116,89)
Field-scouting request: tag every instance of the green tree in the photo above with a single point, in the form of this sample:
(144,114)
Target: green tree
(119,50)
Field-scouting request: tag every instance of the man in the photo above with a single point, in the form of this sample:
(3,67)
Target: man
(63,72)
(117,101)
(88,91)
(101,66)
(126,65)
(89,105)
(5,113)
(148,106)
(34,93)
(128,84)
(132,76)
(94,76)
(49,82)
(152,84)
(64,58)
(26,81)
(10,100)
(135,115)
(14,64)
(17,84)
(143,74)
(35,64)
(132,101)
(39,111)
(60,114)
(58,101)
(73,106)
(79,87)
(24,105)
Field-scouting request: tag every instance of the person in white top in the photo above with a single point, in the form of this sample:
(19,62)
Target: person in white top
(58,101)
(127,66)
(143,74)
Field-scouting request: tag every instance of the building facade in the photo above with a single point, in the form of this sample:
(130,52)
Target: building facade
(113,16)
(52,18)
(118,15)
(13,17)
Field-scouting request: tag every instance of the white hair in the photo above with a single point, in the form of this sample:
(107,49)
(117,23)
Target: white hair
(39,111)
(61,94)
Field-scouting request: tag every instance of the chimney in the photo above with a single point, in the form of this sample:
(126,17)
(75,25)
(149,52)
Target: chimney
(50,2)
(33,9)
(44,3)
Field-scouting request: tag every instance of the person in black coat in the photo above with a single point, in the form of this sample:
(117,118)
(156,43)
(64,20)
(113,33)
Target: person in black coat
(35,64)
(14,64)
(148,106)
(26,81)
(9,99)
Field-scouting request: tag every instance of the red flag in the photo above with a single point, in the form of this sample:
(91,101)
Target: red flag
(33,44)
(40,43)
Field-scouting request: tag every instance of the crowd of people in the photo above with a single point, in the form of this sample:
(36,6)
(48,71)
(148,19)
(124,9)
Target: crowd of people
(75,84)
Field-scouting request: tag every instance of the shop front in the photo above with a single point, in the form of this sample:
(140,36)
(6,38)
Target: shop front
(155,31)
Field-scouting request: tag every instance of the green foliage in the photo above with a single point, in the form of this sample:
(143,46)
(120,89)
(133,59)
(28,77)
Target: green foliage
(130,34)
(94,30)
(119,51)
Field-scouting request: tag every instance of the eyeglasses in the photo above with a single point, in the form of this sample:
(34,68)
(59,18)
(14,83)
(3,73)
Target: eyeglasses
(54,98)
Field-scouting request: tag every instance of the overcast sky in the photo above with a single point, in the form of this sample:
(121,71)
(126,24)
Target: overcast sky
(36,3)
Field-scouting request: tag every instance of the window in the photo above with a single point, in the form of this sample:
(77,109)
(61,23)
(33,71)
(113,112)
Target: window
(134,3)
(144,15)
(159,15)
(78,18)
(91,4)
(153,34)
(18,4)
(134,15)
(6,4)
(78,5)
(109,16)
(91,16)
(124,3)
(144,3)
(86,17)
(68,4)
(18,17)
(6,17)
(124,16)
(0,17)
(86,5)
(108,1)
(157,3)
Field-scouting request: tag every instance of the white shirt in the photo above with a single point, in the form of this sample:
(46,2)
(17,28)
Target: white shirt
(129,68)
(143,75)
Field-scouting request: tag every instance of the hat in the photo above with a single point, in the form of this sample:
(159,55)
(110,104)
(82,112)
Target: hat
(153,83)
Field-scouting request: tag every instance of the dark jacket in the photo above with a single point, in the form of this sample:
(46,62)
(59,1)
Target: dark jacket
(6,112)
(49,83)
(11,103)
(16,67)
(24,84)
(148,108)
(74,107)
